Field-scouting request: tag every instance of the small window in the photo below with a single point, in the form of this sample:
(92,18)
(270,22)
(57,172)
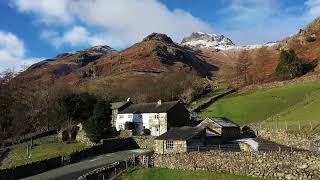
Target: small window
(121,116)
(169,144)
(130,116)
(140,116)
(156,116)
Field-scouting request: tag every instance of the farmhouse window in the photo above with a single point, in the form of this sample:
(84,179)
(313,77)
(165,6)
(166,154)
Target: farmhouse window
(130,116)
(140,116)
(156,116)
(169,144)
(121,116)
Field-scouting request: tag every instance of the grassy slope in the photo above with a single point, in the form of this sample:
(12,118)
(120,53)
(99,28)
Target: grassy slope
(168,174)
(221,88)
(295,102)
(42,150)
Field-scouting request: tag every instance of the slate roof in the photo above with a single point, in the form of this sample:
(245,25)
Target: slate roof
(181,133)
(117,105)
(149,107)
(223,122)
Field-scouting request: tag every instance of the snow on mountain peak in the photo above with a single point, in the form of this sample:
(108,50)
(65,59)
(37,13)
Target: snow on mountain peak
(204,40)
(217,42)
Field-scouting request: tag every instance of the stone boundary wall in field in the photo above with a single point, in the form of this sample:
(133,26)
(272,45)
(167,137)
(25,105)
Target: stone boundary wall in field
(212,100)
(106,146)
(31,168)
(281,136)
(279,83)
(283,165)
(35,136)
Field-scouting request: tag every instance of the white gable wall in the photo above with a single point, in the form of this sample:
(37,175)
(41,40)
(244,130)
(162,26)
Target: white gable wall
(155,122)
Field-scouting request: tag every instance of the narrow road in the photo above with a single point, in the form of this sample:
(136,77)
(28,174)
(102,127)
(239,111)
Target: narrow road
(77,169)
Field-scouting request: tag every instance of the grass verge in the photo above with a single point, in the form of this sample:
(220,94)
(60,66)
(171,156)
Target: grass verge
(169,174)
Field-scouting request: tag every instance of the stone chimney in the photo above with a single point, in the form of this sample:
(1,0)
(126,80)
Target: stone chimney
(159,102)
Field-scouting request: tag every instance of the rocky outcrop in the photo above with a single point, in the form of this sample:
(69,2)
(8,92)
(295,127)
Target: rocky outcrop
(204,40)
(158,37)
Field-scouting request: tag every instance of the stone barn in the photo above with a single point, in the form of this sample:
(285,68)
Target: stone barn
(180,139)
(222,127)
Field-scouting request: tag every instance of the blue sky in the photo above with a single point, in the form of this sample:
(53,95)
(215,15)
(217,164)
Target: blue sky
(32,30)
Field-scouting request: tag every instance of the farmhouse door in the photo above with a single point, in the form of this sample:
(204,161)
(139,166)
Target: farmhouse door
(155,131)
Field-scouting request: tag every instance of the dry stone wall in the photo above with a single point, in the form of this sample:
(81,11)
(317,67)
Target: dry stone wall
(308,78)
(145,142)
(283,137)
(284,165)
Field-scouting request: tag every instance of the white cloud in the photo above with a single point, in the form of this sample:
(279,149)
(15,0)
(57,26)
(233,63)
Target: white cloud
(252,9)
(12,52)
(313,7)
(76,36)
(49,11)
(120,22)
(261,21)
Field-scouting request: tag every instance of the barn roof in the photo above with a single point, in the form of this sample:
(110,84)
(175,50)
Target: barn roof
(149,107)
(222,121)
(181,133)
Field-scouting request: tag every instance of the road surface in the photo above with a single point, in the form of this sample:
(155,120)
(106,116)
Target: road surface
(77,169)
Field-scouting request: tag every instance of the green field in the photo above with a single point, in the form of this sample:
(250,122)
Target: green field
(284,106)
(218,90)
(169,174)
(44,148)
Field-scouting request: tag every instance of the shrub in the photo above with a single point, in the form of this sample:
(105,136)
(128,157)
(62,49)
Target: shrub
(290,66)
(310,39)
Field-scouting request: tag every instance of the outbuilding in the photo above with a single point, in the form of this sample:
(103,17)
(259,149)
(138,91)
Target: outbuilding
(222,127)
(180,140)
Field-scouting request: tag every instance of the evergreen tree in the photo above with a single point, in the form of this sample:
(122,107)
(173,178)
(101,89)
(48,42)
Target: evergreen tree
(99,123)
(79,107)
(290,66)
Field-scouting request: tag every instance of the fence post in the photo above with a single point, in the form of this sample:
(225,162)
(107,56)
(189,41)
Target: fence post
(299,125)
(310,125)
(198,148)
(286,124)
(279,148)
(219,147)
(134,161)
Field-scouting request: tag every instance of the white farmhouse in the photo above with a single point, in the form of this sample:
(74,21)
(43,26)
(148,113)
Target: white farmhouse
(155,118)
